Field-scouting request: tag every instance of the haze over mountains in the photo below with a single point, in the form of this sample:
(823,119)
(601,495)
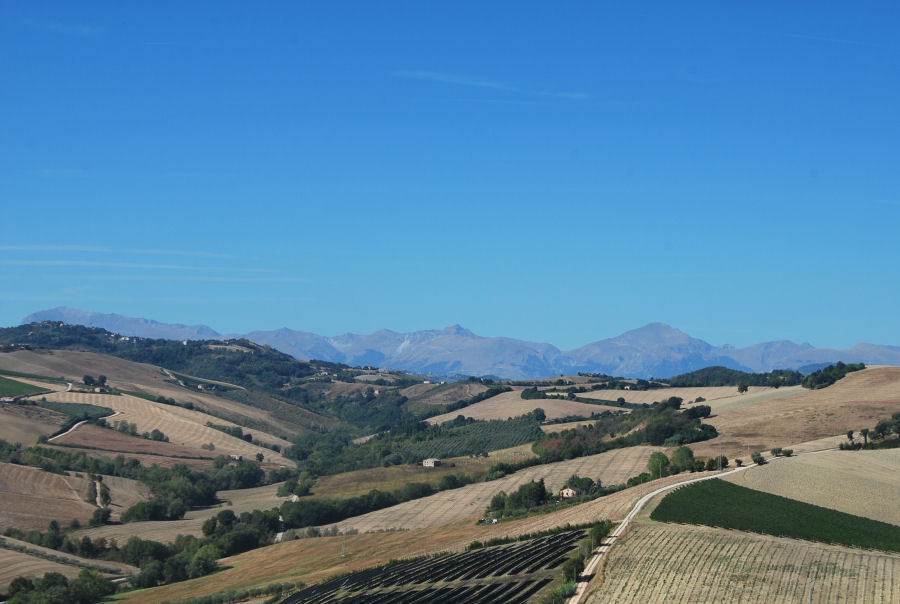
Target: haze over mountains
(655,350)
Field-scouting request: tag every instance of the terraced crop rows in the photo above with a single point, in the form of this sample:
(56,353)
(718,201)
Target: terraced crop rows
(656,563)
(611,467)
(182,426)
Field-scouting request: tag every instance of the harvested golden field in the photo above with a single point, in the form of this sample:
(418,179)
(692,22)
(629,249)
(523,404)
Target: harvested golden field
(360,482)
(127,375)
(30,563)
(30,498)
(124,493)
(313,560)
(657,562)
(550,428)
(182,426)
(864,483)
(642,397)
(19,564)
(612,467)
(511,404)
(26,423)
(857,401)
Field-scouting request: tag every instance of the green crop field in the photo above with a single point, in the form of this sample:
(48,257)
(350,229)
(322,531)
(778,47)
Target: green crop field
(10,387)
(477,437)
(727,505)
(78,410)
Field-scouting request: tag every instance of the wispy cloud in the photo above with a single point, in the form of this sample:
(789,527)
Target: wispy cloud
(133,265)
(471,82)
(830,40)
(67,29)
(459,80)
(105,250)
(59,172)
(578,96)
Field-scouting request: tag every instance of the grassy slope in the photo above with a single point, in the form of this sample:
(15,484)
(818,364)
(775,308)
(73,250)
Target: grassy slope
(727,505)
(10,387)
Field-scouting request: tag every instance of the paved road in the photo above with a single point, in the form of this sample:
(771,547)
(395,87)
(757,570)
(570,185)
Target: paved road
(78,424)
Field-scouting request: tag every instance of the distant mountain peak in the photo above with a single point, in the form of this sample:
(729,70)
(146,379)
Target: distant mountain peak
(458,330)
(656,349)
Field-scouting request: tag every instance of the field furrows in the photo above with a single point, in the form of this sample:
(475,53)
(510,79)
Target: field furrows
(182,426)
(612,467)
(18,564)
(679,563)
(511,404)
(864,483)
(26,423)
(31,498)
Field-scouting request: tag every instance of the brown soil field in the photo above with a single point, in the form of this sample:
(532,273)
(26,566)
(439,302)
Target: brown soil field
(110,442)
(26,423)
(864,483)
(182,426)
(641,397)
(657,562)
(511,404)
(30,498)
(857,401)
(612,467)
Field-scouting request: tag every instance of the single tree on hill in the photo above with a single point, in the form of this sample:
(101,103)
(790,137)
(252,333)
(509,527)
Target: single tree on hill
(850,435)
(865,435)
(743,387)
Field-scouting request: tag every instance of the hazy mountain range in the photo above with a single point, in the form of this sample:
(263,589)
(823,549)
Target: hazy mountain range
(655,350)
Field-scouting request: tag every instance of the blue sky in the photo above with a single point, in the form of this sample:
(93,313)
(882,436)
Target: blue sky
(557,172)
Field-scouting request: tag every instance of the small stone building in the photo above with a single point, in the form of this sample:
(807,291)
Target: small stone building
(431,462)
